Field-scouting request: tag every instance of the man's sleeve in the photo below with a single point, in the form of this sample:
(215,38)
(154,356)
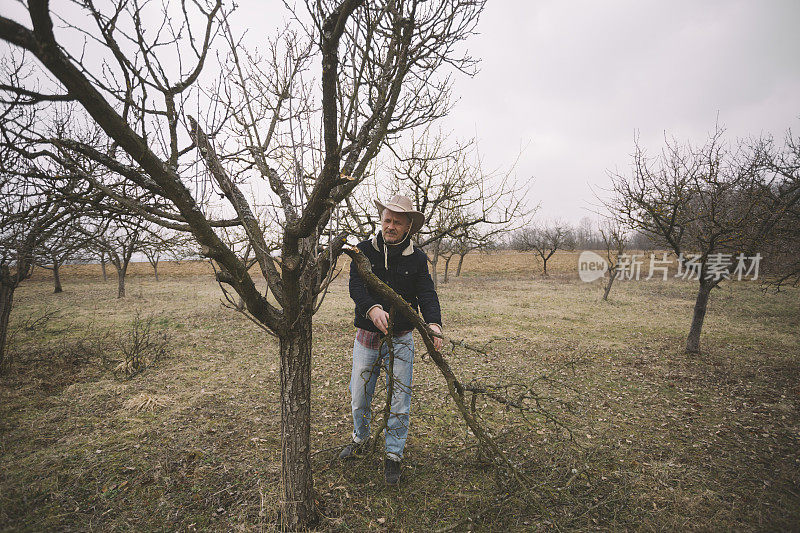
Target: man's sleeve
(426,294)
(359,293)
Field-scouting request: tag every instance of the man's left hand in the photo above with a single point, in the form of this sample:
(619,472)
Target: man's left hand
(438,342)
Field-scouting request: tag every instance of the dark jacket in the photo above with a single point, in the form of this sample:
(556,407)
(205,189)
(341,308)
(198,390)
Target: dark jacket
(409,277)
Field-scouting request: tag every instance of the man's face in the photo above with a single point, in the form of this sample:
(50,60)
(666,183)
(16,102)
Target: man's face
(394,225)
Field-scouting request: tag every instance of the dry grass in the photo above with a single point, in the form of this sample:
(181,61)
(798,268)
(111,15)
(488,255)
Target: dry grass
(662,441)
(93,271)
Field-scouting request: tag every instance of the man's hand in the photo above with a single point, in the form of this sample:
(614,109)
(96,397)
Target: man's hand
(438,342)
(380,318)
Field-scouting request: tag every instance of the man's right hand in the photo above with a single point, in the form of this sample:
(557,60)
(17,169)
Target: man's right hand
(380,318)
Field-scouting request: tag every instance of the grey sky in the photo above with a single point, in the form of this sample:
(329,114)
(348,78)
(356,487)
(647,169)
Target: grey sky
(574,80)
(570,82)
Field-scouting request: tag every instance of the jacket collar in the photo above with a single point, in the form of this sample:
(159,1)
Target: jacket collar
(407,251)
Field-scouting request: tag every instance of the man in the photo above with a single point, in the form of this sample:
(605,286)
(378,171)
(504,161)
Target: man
(404,267)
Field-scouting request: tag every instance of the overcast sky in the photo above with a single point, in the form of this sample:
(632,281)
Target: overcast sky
(572,81)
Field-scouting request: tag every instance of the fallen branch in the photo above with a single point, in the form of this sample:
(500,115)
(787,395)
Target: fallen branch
(454,387)
(519,402)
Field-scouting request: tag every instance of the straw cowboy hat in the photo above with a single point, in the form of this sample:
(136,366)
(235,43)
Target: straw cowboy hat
(402,204)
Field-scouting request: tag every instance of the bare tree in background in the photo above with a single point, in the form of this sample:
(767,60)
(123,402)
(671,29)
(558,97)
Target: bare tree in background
(101,257)
(159,242)
(781,246)
(310,138)
(615,241)
(473,238)
(119,237)
(707,203)
(36,203)
(782,251)
(545,239)
(448,183)
(586,237)
(64,244)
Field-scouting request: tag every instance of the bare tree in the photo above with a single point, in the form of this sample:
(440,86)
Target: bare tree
(468,239)
(781,247)
(448,251)
(586,237)
(707,203)
(782,252)
(310,141)
(614,242)
(66,243)
(545,239)
(36,202)
(159,242)
(460,199)
(119,237)
(101,256)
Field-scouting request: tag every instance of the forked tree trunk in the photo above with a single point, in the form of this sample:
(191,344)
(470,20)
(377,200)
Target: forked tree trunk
(155,268)
(700,306)
(6,301)
(297,507)
(57,277)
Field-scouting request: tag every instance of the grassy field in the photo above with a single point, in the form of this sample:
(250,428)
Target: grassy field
(652,439)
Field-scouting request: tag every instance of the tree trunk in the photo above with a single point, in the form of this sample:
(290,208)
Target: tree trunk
(460,262)
(103,266)
(700,306)
(6,301)
(544,265)
(155,268)
(434,262)
(297,507)
(612,275)
(447,267)
(57,277)
(121,281)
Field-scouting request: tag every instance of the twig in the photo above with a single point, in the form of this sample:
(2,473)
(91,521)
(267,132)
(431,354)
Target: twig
(235,306)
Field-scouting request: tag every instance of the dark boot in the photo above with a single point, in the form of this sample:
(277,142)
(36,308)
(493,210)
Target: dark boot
(392,471)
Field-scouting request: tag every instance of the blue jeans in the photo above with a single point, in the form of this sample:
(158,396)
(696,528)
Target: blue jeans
(367,365)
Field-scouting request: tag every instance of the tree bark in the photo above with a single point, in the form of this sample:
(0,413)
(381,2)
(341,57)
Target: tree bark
(121,281)
(612,275)
(155,268)
(434,262)
(6,301)
(447,267)
(297,507)
(700,307)
(460,262)
(103,267)
(57,277)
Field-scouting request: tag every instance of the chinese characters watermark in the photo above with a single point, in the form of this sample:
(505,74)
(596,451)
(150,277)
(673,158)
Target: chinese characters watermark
(689,267)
